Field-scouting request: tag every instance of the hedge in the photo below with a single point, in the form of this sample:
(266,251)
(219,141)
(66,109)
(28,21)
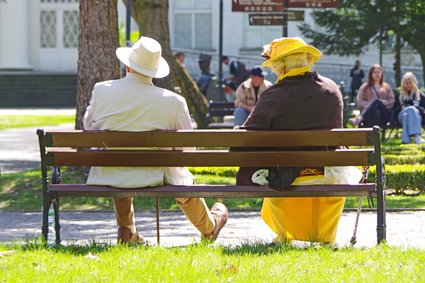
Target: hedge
(398,177)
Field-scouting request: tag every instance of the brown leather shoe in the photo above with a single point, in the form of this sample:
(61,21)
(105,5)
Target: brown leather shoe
(125,236)
(220,213)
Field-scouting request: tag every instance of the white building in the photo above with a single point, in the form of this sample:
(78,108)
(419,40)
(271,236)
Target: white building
(41,36)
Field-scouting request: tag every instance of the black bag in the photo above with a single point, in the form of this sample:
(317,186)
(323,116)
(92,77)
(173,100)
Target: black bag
(282,177)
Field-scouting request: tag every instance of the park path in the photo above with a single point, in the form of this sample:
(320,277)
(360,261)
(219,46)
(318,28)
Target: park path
(404,229)
(19,150)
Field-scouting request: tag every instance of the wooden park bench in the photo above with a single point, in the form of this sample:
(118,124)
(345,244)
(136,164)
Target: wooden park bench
(216,112)
(96,148)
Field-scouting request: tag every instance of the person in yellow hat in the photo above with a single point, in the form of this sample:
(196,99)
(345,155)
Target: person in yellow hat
(300,100)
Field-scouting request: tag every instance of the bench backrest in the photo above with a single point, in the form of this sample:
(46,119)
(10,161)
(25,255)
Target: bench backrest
(220,108)
(175,148)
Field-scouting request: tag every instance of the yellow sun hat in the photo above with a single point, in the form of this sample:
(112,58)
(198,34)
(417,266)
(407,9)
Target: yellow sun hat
(285,46)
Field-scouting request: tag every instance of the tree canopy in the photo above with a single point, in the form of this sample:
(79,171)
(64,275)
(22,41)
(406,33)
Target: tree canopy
(349,29)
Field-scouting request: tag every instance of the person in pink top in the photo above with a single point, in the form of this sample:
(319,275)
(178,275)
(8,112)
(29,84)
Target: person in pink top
(375,98)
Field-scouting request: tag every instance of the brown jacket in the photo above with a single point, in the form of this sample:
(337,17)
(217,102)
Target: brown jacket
(303,102)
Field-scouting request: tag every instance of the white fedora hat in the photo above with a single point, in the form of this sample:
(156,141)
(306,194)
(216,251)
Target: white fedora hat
(144,57)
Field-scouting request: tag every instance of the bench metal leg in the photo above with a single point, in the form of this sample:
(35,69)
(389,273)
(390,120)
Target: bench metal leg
(55,203)
(380,191)
(157,222)
(381,229)
(45,223)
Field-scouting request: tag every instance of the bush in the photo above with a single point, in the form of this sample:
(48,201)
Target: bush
(403,177)
(399,177)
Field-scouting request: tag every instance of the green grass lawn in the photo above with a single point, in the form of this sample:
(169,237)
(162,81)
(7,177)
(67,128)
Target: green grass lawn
(206,263)
(21,121)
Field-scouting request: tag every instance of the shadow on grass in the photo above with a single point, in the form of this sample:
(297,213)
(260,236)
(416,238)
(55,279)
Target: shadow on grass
(38,243)
(249,248)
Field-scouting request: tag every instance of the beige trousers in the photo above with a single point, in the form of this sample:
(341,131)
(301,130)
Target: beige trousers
(195,209)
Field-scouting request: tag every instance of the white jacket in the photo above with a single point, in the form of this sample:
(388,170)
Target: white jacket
(135,104)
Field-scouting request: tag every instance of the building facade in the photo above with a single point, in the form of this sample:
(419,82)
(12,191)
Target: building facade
(41,36)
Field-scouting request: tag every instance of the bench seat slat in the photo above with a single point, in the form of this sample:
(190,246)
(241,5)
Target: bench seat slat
(215,138)
(210,158)
(232,191)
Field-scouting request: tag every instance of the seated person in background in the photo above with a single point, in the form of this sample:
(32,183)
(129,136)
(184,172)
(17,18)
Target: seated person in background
(238,72)
(180,57)
(300,100)
(248,93)
(134,104)
(204,78)
(229,92)
(375,98)
(409,109)
(356,74)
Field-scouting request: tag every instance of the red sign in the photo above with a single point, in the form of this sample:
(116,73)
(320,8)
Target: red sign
(314,3)
(257,6)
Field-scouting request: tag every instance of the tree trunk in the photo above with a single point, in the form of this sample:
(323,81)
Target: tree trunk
(397,63)
(98,41)
(152,18)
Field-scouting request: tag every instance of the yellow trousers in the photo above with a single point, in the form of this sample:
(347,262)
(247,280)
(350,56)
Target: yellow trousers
(313,219)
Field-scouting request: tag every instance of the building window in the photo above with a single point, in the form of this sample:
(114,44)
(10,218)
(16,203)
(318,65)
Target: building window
(59,1)
(48,29)
(59,24)
(257,36)
(70,29)
(192,27)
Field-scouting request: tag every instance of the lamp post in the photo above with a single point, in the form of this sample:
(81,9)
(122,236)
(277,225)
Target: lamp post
(127,31)
(220,54)
(285,4)
(128,23)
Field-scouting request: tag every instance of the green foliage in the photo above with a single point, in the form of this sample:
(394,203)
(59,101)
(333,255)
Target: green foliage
(215,171)
(393,159)
(403,177)
(349,29)
(134,36)
(397,153)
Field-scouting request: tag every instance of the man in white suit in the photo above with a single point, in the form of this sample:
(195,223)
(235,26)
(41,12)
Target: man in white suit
(134,104)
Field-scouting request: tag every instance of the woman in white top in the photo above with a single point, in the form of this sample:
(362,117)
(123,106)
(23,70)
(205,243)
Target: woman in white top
(410,117)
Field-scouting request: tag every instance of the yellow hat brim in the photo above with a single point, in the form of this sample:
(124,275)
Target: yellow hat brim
(314,52)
